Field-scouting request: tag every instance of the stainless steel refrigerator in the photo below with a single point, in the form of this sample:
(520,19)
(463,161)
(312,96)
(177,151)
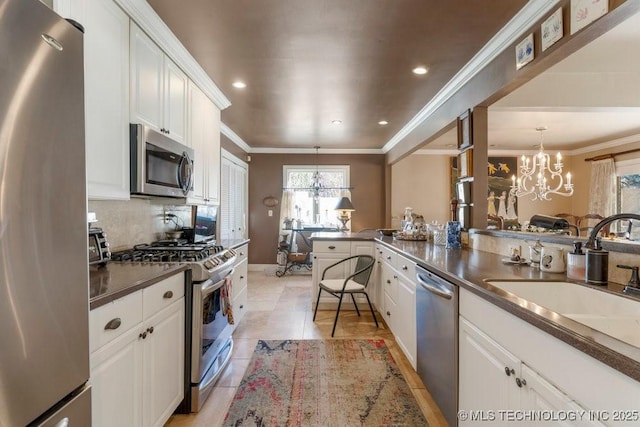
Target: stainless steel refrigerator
(44,339)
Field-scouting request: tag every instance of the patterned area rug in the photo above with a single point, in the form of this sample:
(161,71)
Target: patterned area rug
(323,383)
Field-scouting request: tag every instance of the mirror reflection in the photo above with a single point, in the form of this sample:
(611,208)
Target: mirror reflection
(590,106)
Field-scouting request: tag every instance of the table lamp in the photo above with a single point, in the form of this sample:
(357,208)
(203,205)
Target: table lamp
(344,206)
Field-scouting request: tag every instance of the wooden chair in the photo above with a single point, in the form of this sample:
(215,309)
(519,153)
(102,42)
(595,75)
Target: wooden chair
(586,223)
(355,283)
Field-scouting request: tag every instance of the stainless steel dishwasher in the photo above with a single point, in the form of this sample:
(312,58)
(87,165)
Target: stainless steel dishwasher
(437,334)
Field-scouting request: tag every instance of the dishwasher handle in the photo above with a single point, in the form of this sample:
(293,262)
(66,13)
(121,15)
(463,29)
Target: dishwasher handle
(433,287)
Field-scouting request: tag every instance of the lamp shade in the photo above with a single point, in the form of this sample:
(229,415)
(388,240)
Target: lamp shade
(344,205)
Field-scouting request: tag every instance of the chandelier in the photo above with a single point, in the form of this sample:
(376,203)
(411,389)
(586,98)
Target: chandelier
(317,184)
(539,177)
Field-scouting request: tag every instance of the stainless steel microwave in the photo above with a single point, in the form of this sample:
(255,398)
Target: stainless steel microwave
(160,166)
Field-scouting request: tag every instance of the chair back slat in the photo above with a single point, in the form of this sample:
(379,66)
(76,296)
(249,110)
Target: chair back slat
(364,262)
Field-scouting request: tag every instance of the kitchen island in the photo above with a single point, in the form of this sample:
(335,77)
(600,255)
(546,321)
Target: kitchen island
(573,357)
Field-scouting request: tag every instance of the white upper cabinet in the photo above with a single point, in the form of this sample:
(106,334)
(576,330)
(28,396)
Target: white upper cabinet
(158,88)
(106,63)
(204,138)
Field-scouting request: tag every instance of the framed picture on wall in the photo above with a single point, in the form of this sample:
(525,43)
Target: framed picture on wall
(465,160)
(464,131)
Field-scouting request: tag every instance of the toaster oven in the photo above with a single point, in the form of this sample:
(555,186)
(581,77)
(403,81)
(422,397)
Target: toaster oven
(99,252)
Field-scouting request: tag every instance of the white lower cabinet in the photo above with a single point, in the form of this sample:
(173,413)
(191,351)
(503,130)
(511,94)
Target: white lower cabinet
(137,358)
(239,282)
(397,280)
(509,368)
(496,386)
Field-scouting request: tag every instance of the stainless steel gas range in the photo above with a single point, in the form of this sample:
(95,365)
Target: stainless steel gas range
(208,341)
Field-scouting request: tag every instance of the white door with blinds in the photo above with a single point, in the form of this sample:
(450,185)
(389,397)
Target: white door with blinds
(233,203)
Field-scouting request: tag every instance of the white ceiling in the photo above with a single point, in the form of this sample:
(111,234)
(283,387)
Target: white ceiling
(592,96)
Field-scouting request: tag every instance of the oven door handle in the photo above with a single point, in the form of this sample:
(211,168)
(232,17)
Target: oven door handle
(209,287)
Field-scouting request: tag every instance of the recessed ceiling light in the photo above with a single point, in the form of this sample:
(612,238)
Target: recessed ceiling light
(336,122)
(383,122)
(420,70)
(239,85)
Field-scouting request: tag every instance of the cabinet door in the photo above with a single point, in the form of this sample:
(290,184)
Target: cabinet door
(483,380)
(389,312)
(212,144)
(147,68)
(239,289)
(163,364)
(540,395)
(406,310)
(175,101)
(116,382)
(196,140)
(106,93)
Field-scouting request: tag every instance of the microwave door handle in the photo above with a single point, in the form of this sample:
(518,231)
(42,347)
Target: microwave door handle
(185,181)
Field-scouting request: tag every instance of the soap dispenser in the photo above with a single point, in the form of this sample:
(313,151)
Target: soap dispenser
(597,267)
(576,263)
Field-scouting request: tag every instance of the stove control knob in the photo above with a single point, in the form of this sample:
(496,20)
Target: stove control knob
(208,264)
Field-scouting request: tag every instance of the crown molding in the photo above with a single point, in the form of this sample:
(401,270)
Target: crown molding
(313,151)
(148,20)
(511,32)
(229,133)
(606,145)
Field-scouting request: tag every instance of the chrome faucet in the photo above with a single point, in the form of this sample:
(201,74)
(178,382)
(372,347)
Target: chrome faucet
(591,243)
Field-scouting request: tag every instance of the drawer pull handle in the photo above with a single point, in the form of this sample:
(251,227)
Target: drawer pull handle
(388,256)
(143,335)
(113,324)
(332,247)
(388,313)
(509,371)
(242,277)
(150,330)
(168,294)
(521,382)
(242,306)
(404,267)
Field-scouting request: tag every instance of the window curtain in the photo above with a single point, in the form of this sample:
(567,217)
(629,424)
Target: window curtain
(602,190)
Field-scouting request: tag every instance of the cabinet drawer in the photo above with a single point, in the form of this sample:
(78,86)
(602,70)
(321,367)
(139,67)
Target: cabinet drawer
(389,281)
(239,276)
(405,267)
(162,294)
(331,247)
(242,253)
(388,256)
(108,322)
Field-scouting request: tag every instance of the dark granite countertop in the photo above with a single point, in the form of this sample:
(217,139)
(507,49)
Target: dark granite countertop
(345,235)
(116,280)
(233,243)
(470,269)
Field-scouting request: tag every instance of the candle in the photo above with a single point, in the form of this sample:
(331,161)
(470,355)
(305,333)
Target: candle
(513,180)
(558,157)
(568,178)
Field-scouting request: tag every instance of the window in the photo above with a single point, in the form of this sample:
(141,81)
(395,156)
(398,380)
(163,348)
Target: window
(314,204)
(628,194)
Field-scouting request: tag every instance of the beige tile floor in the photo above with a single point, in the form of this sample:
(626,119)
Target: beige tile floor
(280,308)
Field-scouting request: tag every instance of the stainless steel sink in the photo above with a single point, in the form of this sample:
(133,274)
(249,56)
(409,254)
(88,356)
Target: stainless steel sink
(614,315)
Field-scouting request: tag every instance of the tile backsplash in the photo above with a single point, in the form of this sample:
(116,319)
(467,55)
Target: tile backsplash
(136,221)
